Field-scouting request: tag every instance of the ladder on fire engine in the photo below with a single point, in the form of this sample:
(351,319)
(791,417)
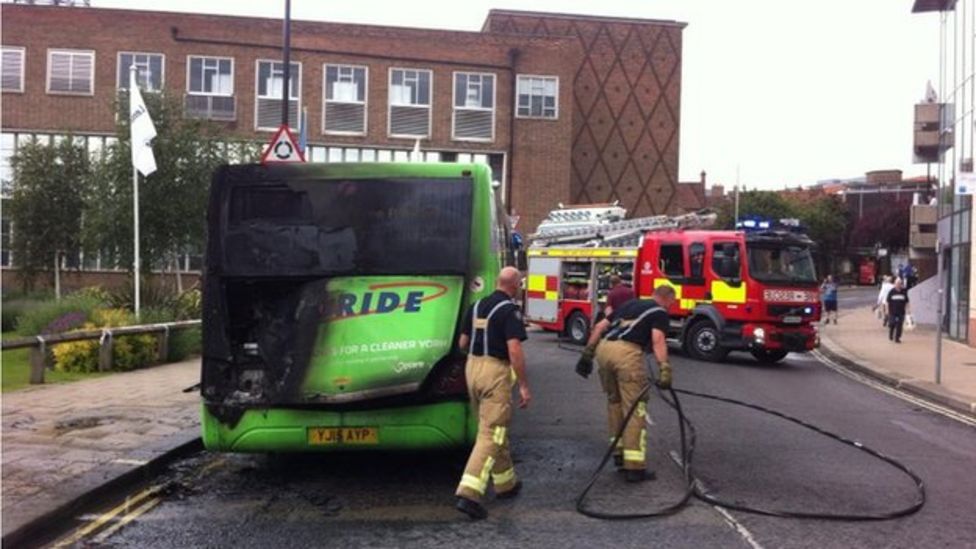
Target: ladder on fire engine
(624,233)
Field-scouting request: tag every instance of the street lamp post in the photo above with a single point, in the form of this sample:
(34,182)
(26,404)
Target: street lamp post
(940,301)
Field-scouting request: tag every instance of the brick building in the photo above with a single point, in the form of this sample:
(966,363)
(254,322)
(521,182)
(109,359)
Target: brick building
(564,108)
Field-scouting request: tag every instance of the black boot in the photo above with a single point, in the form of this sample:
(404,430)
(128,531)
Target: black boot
(639,475)
(511,493)
(618,461)
(471,508)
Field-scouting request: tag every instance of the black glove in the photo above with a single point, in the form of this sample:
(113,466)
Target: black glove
(584,366)
(664,380)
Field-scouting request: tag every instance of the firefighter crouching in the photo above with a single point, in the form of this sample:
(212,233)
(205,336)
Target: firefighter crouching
(492,333)
(618,343)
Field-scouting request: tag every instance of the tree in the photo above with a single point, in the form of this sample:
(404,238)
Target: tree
(46,204)
(172,200)
(765,204)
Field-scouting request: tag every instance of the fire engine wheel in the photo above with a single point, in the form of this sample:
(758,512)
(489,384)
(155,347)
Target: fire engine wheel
(769,357)
(578,328)
(704,344)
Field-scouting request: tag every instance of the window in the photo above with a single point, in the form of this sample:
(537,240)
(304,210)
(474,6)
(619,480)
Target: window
(210,76)
(345,99)
(270,81)
(538,97)
(672,261)
(7,148)
(696,260)
(149,70)
(474,106)
(210,88)
(12,69)
(410,102)
(71,72)
(726,262)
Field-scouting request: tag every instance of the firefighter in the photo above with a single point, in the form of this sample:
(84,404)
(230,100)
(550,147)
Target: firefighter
(618,344)
(492,334)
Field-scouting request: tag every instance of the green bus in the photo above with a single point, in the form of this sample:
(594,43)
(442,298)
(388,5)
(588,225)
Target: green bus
(332,296)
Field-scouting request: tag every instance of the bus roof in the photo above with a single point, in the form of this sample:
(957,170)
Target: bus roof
(364,170)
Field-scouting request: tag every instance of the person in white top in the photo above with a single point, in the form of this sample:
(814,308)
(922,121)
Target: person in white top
(886,286)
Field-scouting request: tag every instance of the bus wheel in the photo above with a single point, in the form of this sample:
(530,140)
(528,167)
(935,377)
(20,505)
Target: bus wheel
(769,357)
(578,328)
(703,342)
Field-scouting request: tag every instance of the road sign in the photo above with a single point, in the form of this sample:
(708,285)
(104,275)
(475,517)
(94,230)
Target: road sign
(283,148)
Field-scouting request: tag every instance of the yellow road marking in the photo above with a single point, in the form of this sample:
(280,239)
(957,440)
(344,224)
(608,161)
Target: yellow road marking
(99,522)
(139,511)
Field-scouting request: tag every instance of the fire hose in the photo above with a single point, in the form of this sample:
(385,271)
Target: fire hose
(693,489)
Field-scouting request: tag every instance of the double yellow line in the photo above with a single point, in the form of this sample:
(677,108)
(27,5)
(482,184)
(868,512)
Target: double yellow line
(132,508)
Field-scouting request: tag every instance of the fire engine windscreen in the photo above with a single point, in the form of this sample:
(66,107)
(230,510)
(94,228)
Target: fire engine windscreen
(353,226)
(782,264)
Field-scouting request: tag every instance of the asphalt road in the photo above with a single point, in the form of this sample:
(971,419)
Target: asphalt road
(390,500)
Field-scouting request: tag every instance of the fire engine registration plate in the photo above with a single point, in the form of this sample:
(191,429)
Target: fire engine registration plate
(320,436)
(792,319)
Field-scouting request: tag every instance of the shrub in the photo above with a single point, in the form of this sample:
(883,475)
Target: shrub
(128,352)
(97,293)
(13,309)
(50,317)
(183,343)
(189,305)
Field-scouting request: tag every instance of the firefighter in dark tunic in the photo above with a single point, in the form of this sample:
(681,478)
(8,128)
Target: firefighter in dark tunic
(492,334)
(618,343)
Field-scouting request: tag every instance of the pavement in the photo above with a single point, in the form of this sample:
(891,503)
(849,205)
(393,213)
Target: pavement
(62,443)
(859,341)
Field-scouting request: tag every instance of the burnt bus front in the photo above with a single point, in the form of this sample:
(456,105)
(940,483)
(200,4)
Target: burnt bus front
(332,296)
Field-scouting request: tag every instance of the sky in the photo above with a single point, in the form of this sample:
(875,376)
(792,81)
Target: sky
(774,93)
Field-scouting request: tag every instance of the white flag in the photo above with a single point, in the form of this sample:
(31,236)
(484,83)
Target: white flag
(143,130)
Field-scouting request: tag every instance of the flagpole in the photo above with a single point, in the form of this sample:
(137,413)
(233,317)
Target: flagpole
(135,217)
(136,263)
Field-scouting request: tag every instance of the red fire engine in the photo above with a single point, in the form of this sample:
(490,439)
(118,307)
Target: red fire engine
(754,291)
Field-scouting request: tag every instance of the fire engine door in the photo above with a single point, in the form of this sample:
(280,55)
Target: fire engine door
(542,289)
(695,289)
(727,287)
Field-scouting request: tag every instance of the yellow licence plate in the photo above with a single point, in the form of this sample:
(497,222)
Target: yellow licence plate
(318,436)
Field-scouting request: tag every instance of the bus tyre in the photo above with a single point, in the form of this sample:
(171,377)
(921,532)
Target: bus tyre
(578,328)
(767,356)
(704,342)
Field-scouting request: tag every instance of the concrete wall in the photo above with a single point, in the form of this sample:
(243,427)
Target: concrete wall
(924,300)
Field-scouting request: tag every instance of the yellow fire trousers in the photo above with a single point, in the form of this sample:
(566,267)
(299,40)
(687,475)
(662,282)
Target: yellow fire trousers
(490,383)
(623,376)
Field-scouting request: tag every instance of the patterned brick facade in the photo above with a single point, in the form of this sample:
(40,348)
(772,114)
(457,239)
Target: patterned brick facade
(626,101)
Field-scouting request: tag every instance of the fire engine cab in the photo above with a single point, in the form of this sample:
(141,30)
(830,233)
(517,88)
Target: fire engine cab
(752,290)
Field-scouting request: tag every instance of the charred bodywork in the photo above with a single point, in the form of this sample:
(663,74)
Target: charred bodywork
(338,288)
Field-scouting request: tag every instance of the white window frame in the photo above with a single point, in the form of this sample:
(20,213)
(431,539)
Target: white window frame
(519,77)
(390,105)
(52,51)
(233,75)
(493,109)
(364,102)
(23,66)
(162,67)
(257,85)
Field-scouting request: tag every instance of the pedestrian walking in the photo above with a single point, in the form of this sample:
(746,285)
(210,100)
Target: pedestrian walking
(618,343)
(828,291)
(492,334)
(882,304)
(898,308)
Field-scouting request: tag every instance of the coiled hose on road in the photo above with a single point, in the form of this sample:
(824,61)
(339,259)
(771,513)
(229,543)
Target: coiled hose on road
(694,489)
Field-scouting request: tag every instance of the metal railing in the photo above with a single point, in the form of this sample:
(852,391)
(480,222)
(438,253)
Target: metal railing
(39,345)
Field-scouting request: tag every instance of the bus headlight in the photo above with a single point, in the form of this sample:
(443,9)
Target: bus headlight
(760,335)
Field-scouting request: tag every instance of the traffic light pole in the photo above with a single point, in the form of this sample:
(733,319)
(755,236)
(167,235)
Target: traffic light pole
(286,47)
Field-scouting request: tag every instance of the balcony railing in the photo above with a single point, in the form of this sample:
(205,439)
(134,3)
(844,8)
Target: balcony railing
(211,107)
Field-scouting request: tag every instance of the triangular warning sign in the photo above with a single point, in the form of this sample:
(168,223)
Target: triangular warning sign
(283,148)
